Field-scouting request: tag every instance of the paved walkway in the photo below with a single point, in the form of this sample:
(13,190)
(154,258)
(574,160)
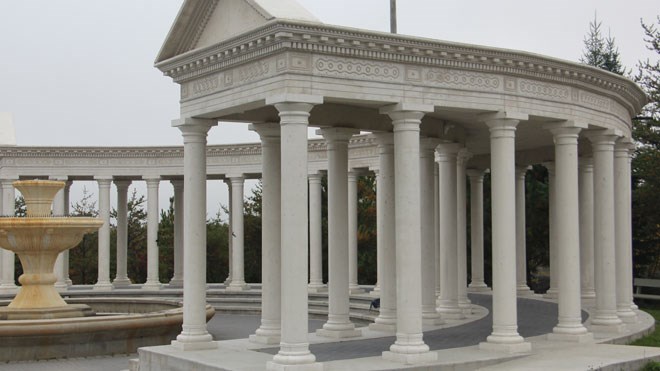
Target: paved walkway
(535,318)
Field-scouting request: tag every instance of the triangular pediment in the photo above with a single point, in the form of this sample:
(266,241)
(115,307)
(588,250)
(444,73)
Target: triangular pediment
(202,23)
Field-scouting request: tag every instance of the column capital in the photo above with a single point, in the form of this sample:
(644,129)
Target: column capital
(193,125)
(337,134)
(603,137)
(445,151)
(406,108)
(315,178)
(475,173)
(502,118)
(586,162)
(122,184)
(286,99)
(427,146)
(103,181)
(384,141)
(521,170)
(177,183)
(152,181)
(624,147)
(236,178)
(8,183)
(268,130)
(463,156)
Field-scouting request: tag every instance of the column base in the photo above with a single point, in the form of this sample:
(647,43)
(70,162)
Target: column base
(227,281)
(451,313)
(432,319)
(610,329)
(590,294)
(551,294)
(194,345)
(265,339)
(153,286)
(571,338)
(69,282)
(339,334)
(317,289)
(121,282)
(375,292)
(479,289)
(627,316)
(178,282)
(103,286)
(356,290)
(233,287)
(410,358)
(61,286)
(383,327)
(274,366)
(524,291)
(511,348)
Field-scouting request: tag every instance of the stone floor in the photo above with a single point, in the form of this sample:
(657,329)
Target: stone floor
(536,317)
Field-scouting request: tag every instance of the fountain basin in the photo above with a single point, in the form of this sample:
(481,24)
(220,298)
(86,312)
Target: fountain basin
(37,241)
(120,327)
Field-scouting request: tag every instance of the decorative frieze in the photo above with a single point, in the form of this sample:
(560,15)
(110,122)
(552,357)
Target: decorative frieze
(337,67)
(595,101)
(454,78)
(544,89)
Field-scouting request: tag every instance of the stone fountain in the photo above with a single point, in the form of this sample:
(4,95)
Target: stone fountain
(37,240)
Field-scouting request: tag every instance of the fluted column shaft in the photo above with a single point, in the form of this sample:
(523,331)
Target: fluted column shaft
(477,229)
(353,286)
(103,282)
(338,324)
(505,318)
(385,233)
(194,334)
(230,238)
(569,323)
(461,232)
(65,255)
(121,278)
(446,156)
(430,314)
(409,346)
(238,235)
(270,329)
(177,277)
(604,318)
(58,210)
(586,199)
(552,232)
(623,232)
(521,233)
(294,345)
(379,251)
(315,235)
(153,280)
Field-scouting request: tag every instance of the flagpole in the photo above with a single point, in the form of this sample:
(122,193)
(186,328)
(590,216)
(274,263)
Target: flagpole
(393,16)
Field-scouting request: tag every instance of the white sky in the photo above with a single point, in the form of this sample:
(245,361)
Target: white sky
(80,72)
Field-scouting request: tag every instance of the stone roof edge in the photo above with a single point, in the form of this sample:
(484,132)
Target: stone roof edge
(280,34)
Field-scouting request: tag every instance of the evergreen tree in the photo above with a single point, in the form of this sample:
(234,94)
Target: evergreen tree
(83,259)
(601,52)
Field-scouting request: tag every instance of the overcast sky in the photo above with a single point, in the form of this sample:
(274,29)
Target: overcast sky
(80,72)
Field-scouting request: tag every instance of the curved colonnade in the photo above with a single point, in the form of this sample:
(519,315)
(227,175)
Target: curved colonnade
(438,112)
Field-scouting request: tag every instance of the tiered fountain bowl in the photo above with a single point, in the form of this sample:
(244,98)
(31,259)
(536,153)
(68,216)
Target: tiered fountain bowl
(38,239)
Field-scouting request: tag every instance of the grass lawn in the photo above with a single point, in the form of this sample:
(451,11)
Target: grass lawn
(653,339)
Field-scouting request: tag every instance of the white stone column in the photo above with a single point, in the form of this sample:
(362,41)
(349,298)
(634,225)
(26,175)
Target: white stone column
(194,335)
(552,232)
(477,230)
(294,351)
(65,255)
(271,274)
(238,235)
(521,234)
(315,235)
(430,315)
(103,281)
(59,210)
(177,277)
(379,250)
(121,278)
(623,231)
(353,286)
(436,206)
(446,156)
(505,335)
(386,320)
(153,279)
(586,199)
(230,238)
(338,324)
(461,233)
(569,324)
(8,285)
(409,347)
(604,319)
